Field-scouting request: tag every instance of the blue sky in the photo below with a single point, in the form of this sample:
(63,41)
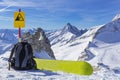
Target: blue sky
(54,14)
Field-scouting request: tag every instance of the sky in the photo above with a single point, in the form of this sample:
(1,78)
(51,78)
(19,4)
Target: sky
(55,14)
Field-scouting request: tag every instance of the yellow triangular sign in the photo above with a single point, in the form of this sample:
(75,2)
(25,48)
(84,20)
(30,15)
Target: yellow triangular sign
(19,17)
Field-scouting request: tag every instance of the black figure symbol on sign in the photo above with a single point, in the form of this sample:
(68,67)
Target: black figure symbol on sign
(19,17)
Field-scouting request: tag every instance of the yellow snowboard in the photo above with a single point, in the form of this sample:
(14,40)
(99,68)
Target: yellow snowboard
(76,67)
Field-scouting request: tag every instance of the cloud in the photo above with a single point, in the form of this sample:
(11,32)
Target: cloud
(50,5)
(5,9)
(6,4)
(18,3)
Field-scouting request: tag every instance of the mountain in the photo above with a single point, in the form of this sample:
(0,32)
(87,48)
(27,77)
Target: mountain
(39,43)
(11,35)
(8,37)
(72,29)
(116,17)
(99,45)
(75,48)
(62,36)
(65,35)
(93,45)
(107,45)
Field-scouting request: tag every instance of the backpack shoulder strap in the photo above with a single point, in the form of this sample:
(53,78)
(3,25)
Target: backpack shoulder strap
(12,52)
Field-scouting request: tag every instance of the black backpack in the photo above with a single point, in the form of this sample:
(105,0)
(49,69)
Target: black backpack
(21,57)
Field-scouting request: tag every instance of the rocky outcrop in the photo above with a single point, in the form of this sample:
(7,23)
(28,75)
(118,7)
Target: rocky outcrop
(39,42)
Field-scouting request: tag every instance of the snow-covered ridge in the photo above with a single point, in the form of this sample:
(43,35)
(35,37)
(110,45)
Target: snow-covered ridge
(116,17)
(65,35)
(105,45)
(109,33)
(11,35)
(8,35)
(69,28)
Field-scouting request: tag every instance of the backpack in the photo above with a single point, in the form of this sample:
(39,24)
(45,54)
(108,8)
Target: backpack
(21,57)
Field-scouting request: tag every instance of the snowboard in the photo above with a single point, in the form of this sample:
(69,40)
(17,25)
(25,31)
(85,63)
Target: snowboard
(75,67)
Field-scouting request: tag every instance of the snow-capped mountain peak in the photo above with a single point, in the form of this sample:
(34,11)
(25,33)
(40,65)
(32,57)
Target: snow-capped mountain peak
(66,34)
(70,28)
(116,17)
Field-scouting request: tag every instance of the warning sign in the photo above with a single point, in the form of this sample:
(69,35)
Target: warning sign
(19,19)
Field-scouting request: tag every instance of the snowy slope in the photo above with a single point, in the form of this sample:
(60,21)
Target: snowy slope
(83,47)
(107,45)
(7,39)
(5,46)
(104,74)
(100,46)
(75,48)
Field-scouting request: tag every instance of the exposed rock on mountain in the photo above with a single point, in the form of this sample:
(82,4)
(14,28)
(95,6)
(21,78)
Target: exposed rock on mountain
(40,43)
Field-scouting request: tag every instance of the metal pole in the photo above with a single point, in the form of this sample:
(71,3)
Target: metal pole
(19,31)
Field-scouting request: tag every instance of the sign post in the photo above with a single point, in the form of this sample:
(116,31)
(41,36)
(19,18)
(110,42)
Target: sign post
(19,32)
(19,22)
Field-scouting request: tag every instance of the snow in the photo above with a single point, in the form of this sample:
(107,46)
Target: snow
(107,43)
(73,49)
(65,35)
(4,46)
(101,45)
(42,55)
(108,55)
(103,74)
(7,35)
(116,17)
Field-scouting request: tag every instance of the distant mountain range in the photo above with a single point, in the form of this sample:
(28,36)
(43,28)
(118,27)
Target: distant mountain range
(65,35)
(100,44)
